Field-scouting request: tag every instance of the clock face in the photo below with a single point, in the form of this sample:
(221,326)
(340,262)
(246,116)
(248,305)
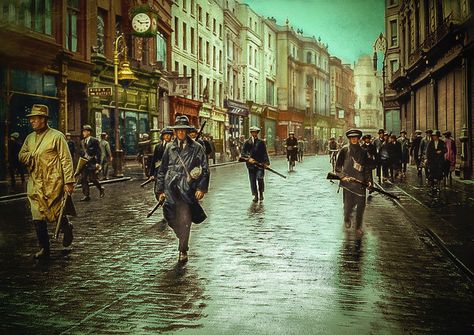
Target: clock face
(141,22)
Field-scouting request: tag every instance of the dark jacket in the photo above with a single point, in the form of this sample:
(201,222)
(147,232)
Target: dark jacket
(435,159)
(91,151)
(292,148)
(395,154)
(405,147)
(172,178)
(371,155)
(157,156)
(352,161)
(14,147)
(257,151)
(415,147)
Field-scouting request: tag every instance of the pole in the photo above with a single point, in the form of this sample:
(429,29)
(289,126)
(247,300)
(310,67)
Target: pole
(118,153)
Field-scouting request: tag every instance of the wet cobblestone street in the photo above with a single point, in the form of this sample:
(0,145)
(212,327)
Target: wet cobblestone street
(283,266)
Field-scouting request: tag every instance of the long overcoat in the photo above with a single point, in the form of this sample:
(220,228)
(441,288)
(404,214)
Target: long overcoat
(50,166)
(172,178)
(435,159)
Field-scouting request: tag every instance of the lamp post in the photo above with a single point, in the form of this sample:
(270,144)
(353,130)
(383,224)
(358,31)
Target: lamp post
(125,77)
(381,44)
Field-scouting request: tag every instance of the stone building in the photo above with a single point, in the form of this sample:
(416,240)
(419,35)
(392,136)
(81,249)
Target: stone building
(434,82)
(368,106)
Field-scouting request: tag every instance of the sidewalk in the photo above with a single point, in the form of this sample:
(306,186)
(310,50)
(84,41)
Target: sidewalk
(131,170)
(449,222)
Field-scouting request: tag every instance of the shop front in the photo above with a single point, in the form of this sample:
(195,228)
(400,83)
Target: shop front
(237,113)
(184,106)
(290,121)
(269,126)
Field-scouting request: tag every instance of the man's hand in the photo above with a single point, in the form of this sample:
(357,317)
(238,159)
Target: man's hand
(199,195)
(346,179)
(69,188)
(160,196)
(251,160)
(369,185)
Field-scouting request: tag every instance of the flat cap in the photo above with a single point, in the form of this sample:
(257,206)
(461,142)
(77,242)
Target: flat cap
(87,127)
(354,133)
(254,128)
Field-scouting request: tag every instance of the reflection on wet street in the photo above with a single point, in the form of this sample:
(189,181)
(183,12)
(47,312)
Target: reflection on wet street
(282,266)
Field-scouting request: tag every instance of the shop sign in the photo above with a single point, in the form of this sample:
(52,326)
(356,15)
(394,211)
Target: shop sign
(99,91)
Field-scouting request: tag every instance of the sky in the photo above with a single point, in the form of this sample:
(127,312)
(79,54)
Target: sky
(349,27)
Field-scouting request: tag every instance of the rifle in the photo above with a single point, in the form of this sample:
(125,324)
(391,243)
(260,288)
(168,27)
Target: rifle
(67,207)
(200,130)
(146,182)
(334,176)
(158,205)
(260,165)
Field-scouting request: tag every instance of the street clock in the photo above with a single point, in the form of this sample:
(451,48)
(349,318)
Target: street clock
(144,21)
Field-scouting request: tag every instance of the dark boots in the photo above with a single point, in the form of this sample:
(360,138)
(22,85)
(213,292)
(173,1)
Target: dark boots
(43,239)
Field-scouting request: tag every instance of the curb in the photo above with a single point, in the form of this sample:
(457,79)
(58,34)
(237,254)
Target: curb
(17,196)
(434,237)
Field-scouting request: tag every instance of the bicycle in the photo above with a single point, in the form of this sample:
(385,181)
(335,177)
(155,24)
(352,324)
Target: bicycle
(291,160)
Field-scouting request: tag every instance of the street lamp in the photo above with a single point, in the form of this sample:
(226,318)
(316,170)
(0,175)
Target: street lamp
(381,44)
(125,77)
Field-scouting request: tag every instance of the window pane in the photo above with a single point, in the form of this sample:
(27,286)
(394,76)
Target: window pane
(39,15)
(74,32)
(47,17)
(100,31)
(49,86)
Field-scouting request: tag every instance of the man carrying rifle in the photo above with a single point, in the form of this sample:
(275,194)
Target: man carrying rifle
(254,152)
(353,162)
(181,182)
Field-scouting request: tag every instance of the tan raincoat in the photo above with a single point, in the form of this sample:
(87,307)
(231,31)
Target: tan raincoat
(49,162)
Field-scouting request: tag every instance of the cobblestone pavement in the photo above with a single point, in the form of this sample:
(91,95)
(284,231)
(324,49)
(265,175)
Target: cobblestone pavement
(284,266)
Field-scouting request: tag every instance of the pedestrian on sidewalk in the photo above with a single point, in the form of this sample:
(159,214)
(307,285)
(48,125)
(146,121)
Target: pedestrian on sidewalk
(369,148)
(378,144)
(255,151)
(14,165)
(90,150)
(301,149)
(415,151)
(422,151)
(47,157)
(181,182)
(105,155)
(384,158)
(450,155)
(352,161)
(435,161)
(405,155)
(72,147)
(212,155)
(291,145)
(395,157)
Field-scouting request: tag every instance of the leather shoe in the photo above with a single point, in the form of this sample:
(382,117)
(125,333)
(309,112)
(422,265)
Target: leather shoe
(86,198)
(183,257)
(43,253)
(102,192)
(261,196)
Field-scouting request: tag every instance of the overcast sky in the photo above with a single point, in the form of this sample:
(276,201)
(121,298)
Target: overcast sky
(350,27)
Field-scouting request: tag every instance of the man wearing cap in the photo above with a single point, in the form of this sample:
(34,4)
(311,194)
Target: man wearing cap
(352,161)
(181,181)
(90,150)
(435,161)
(193,133)
(291,145)
(378,142)
(165,137)
(255,150)
(105,155)
(14,165)
(422,151)
(415,150)
(47,157)
(405,146)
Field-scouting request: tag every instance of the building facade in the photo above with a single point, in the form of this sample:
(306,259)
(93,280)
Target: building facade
(434,82)
(369,116)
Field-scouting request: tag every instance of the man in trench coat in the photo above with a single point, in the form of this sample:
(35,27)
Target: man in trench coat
(46,154)
(181,181)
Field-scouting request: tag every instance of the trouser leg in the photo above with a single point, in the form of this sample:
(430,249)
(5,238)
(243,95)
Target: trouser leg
(348,198)
(42,234)
(253,181)
(85,184)
(95,181)
(360,202)
(261,181)
(182,226)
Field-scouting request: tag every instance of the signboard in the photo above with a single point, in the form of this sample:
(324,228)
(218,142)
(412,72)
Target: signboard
(181,86)
(99,91)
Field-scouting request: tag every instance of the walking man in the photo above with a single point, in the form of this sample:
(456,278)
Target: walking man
(378,145)
(435,161)
(47,157)
(181,182)
(415,151)
(291,145)
(352,163)
(105,155)
(405,156)
(166,134)
(90,150)
(255,151)
(450,155)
